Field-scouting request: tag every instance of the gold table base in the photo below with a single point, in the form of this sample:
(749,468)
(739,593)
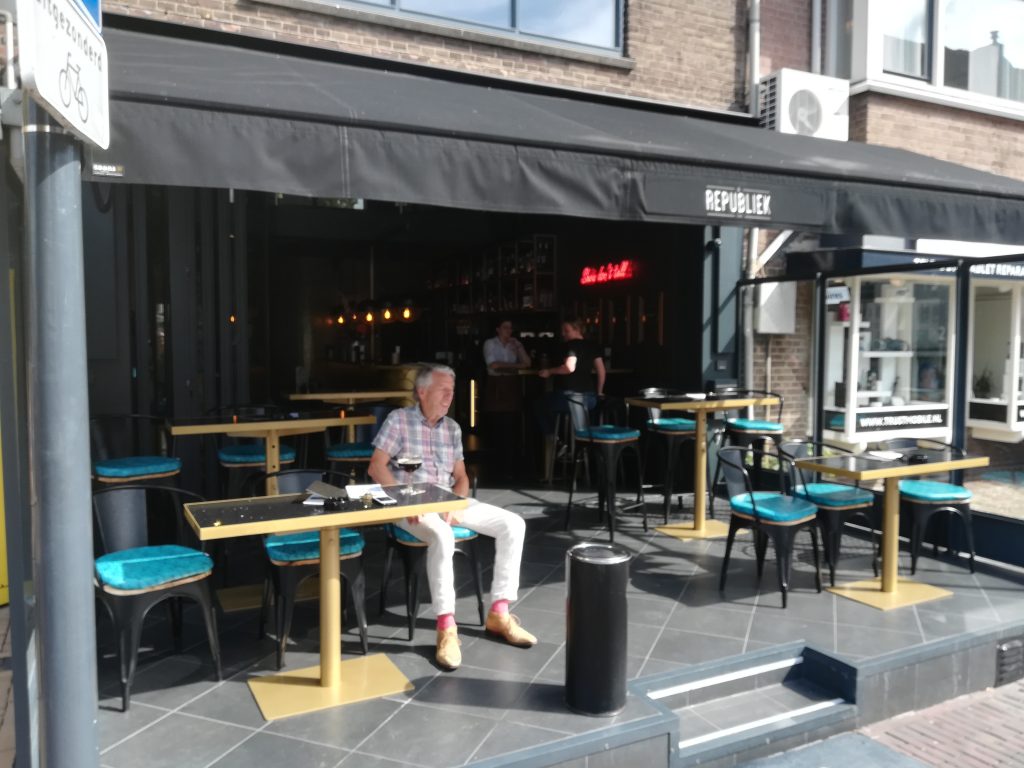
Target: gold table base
(908,592)
(712,529)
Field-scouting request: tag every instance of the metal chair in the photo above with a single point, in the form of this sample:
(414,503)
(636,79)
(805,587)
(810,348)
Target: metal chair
(926,498)
(837,503)
(607,443)
(744,432)
(769,515)
(131,448)
(238,454)
(294,557)
(132,574)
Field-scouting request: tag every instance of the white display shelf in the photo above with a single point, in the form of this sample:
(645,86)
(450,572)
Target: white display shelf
(887,353)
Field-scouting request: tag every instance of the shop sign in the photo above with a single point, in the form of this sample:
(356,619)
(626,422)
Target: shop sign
(886,421)
(1011,270)
(611,272)
(837,294)
(737,202)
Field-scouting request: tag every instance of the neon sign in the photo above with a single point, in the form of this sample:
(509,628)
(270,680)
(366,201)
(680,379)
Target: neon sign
(611,272)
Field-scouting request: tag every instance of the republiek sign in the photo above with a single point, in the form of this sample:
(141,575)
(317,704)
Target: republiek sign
(64,65)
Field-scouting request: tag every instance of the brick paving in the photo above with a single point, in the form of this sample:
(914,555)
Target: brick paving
(980,730)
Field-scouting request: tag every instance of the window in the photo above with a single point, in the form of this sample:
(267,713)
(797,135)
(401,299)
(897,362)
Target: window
(968,53)
(906,36)
(591,23)
(984,46)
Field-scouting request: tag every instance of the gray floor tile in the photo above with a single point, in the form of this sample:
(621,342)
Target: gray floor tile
(771,626)
(231,702)
(543,706)
(171,683)
(115,725)
(712,620)
(363,760)
(497,655)
(268,749)
(846,749)
(651,611)
(547,598)
(691,648)
(343,727)
(486,693)
(194,742)
(692,725)
(874,641)
(428,736)
(513,737)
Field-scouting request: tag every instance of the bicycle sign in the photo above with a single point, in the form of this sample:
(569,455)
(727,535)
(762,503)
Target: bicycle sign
(64,65)
(71,88)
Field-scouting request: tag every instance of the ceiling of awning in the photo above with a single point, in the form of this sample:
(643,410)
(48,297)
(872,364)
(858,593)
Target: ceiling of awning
(196,113)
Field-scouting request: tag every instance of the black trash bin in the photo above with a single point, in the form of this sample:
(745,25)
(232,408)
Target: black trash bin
(595,628)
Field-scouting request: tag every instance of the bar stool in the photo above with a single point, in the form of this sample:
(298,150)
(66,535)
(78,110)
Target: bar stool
(926,498)
(674,431)
(235,455)
(608,443)
(131,448)
(837,503)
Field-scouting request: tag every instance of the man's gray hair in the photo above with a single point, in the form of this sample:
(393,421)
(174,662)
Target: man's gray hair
(426,374)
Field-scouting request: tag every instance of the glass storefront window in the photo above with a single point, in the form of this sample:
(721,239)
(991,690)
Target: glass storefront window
(886,359)
(983,44)
(492,13)
(907,32)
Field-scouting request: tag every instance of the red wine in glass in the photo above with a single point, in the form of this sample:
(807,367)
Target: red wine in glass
(409,464)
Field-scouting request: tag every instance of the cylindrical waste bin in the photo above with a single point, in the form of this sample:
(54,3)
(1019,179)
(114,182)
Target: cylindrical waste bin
(595,628)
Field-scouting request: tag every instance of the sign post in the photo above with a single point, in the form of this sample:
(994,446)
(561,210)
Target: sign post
(63,67)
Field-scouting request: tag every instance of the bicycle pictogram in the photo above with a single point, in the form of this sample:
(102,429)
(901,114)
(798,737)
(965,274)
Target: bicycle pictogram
(71,88)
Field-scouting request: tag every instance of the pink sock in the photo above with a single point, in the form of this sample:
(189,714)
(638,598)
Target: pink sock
(500,606)
(445,621)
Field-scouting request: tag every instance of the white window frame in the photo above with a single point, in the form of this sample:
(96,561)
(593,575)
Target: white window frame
(867,73)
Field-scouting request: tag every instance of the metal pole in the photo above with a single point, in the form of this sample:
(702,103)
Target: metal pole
(58,408)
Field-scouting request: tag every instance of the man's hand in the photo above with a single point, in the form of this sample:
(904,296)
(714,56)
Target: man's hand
(544,373)
(452,518)
(412,520)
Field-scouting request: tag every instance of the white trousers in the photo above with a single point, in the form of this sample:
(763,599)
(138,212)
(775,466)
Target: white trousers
(506,528)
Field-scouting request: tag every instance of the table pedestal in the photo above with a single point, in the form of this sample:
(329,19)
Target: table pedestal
(333,682)
(701,528)
(890,591)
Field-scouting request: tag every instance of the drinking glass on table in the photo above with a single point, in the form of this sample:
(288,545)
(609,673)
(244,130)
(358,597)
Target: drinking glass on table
(409,464)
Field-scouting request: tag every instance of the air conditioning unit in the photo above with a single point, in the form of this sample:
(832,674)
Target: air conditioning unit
(802,102)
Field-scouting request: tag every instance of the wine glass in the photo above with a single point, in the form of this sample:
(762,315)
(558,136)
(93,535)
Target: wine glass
(409,464)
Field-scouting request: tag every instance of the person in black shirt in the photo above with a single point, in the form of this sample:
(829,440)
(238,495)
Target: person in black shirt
(574,375)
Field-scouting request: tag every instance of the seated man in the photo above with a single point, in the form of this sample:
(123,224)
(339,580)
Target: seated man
(425,430)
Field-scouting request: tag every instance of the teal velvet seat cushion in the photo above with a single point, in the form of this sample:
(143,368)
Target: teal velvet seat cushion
(461,534)
(350,451)
(773,507)
(672,425)
(136,466)
(149,567)
(833,494)
(934,491)
(294,547)
(755,425)
(607,432)
(251,453)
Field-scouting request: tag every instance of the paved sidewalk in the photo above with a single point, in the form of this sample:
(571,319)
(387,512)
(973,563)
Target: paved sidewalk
(979,730)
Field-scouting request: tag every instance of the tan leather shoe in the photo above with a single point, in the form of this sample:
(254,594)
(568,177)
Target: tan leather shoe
(449,655)
(506,626)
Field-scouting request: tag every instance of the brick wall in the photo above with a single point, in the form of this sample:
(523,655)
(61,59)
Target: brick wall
(785,35)
(979,141)
(690,53)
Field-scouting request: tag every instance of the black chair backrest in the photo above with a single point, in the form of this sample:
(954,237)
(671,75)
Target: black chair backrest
(123,516)
(908,445)
(733,460)
(292,480)
(791,450)
(131,434)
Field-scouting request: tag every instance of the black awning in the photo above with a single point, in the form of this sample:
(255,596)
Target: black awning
(192,113)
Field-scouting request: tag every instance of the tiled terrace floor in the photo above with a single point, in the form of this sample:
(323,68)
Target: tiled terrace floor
(504,699)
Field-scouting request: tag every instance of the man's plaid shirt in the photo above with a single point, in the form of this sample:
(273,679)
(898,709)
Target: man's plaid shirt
(406,433)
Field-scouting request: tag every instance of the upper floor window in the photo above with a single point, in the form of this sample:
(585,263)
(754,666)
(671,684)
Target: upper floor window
(973,46)
(983,46)
(906,35)
(592,23)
